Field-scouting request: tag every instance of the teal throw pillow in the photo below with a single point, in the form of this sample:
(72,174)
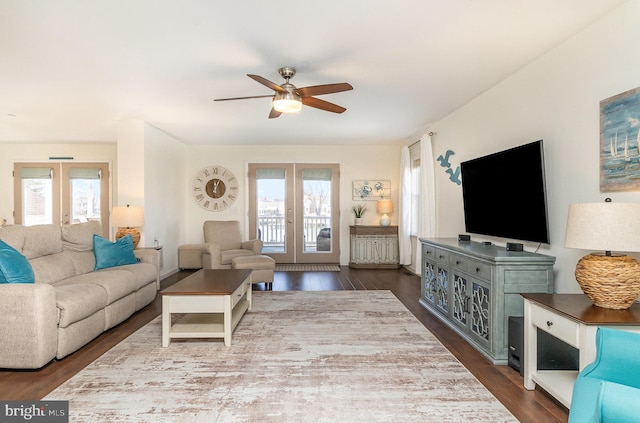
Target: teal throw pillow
(14,267)
(110,254)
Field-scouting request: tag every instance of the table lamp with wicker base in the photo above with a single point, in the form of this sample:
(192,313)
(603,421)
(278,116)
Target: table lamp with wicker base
(135,235)
(126,219)
(609,280)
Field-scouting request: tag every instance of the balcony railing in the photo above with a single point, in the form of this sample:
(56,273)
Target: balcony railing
(272,231)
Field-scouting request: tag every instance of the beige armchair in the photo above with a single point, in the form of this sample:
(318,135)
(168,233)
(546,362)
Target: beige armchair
(223,242)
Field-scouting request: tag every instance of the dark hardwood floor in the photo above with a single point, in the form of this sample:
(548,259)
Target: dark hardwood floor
(504,382)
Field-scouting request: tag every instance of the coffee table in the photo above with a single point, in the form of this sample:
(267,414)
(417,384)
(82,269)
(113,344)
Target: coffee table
(213,302)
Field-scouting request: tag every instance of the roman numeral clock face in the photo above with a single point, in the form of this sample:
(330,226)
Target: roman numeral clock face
(215,188)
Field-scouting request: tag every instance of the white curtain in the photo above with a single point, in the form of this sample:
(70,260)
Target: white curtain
(427,216)
(404,224)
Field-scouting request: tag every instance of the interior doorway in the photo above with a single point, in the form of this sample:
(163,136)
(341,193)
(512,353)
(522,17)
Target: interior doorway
(294,209)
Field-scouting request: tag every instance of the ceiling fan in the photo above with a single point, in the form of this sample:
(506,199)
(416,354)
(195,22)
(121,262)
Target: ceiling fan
(289,99)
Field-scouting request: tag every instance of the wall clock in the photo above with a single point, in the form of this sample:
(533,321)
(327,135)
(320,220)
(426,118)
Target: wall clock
(215,188)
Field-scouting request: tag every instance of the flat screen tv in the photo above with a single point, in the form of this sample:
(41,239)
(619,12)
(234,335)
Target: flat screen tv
(504,194)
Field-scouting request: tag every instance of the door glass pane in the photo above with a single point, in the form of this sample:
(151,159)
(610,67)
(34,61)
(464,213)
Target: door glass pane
(316,189)
(85,200)
(37,201)
(271,196)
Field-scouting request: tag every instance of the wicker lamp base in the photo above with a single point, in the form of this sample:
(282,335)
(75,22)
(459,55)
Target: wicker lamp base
(609,281)
(135,235)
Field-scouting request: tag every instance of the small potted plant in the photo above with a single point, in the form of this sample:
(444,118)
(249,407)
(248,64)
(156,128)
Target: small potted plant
(358,210)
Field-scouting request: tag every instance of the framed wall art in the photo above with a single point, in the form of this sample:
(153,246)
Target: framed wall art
(620,142)
(371,189)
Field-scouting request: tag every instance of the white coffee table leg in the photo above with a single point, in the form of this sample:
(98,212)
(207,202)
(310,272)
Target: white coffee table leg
(227,320)
(166,320)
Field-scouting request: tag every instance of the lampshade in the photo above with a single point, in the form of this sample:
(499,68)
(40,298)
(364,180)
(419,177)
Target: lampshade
(609,280)
(287,102)
(384,207)
(604,226)
(126,219)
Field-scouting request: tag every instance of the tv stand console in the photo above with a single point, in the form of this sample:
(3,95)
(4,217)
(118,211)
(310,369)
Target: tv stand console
(473,288)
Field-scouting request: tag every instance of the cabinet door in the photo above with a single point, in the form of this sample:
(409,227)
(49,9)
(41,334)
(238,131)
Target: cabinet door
(442,290)
(428,288)
(480,310)
(460,299)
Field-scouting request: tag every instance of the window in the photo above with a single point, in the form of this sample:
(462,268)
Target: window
(61,193)
(36,187)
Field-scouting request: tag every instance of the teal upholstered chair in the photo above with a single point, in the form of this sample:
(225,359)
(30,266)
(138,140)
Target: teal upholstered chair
(608,390)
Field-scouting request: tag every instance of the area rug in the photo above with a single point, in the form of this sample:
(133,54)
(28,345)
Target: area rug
(307,268)
(325,356)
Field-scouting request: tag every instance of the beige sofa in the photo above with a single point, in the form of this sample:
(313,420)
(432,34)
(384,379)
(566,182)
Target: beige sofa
(69,304)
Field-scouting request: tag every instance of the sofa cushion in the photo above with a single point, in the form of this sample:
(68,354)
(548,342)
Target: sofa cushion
(141,273)
(116,283)
(227,255)
(52,268)
(42,240)
(111,254)
(83,261)
(14,235)
(79,237)
(78,301)
(14,267)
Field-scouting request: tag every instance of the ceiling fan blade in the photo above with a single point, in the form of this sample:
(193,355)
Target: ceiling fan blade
(242,98)
(274,113)
(267,83)
(324,89)
(322,105)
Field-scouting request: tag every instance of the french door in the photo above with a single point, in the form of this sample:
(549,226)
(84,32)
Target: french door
(294,209)
(61,193)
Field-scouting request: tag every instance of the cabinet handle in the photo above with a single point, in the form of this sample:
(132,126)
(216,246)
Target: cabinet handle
(441,256)
(477,269)
(457,261)
(549,323)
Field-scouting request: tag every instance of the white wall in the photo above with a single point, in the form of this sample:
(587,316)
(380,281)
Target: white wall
(356,162)
(29,152)
(164,204)
(151,171)
(555,98)
(130,166)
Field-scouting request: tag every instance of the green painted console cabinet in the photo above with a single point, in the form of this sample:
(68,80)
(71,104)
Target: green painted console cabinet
(474,288)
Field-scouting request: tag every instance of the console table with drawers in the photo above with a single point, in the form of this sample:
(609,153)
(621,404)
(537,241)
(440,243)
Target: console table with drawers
(473,288)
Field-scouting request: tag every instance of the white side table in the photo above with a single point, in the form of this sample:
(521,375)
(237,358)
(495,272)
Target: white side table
(573,319)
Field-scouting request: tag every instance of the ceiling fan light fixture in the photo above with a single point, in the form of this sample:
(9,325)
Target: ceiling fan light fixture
(287,102)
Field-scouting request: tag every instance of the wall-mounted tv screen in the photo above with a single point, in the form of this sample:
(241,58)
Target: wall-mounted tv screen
(504,194)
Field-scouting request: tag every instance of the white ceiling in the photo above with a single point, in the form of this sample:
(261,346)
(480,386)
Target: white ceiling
(71,69)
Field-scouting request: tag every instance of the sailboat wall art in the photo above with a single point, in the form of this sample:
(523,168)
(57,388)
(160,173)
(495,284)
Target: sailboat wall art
(620,142)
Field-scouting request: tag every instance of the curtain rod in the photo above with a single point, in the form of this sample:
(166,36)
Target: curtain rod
(430,134)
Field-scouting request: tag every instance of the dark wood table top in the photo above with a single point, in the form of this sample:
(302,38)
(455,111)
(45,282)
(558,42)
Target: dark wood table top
(579,307)
(209,282)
